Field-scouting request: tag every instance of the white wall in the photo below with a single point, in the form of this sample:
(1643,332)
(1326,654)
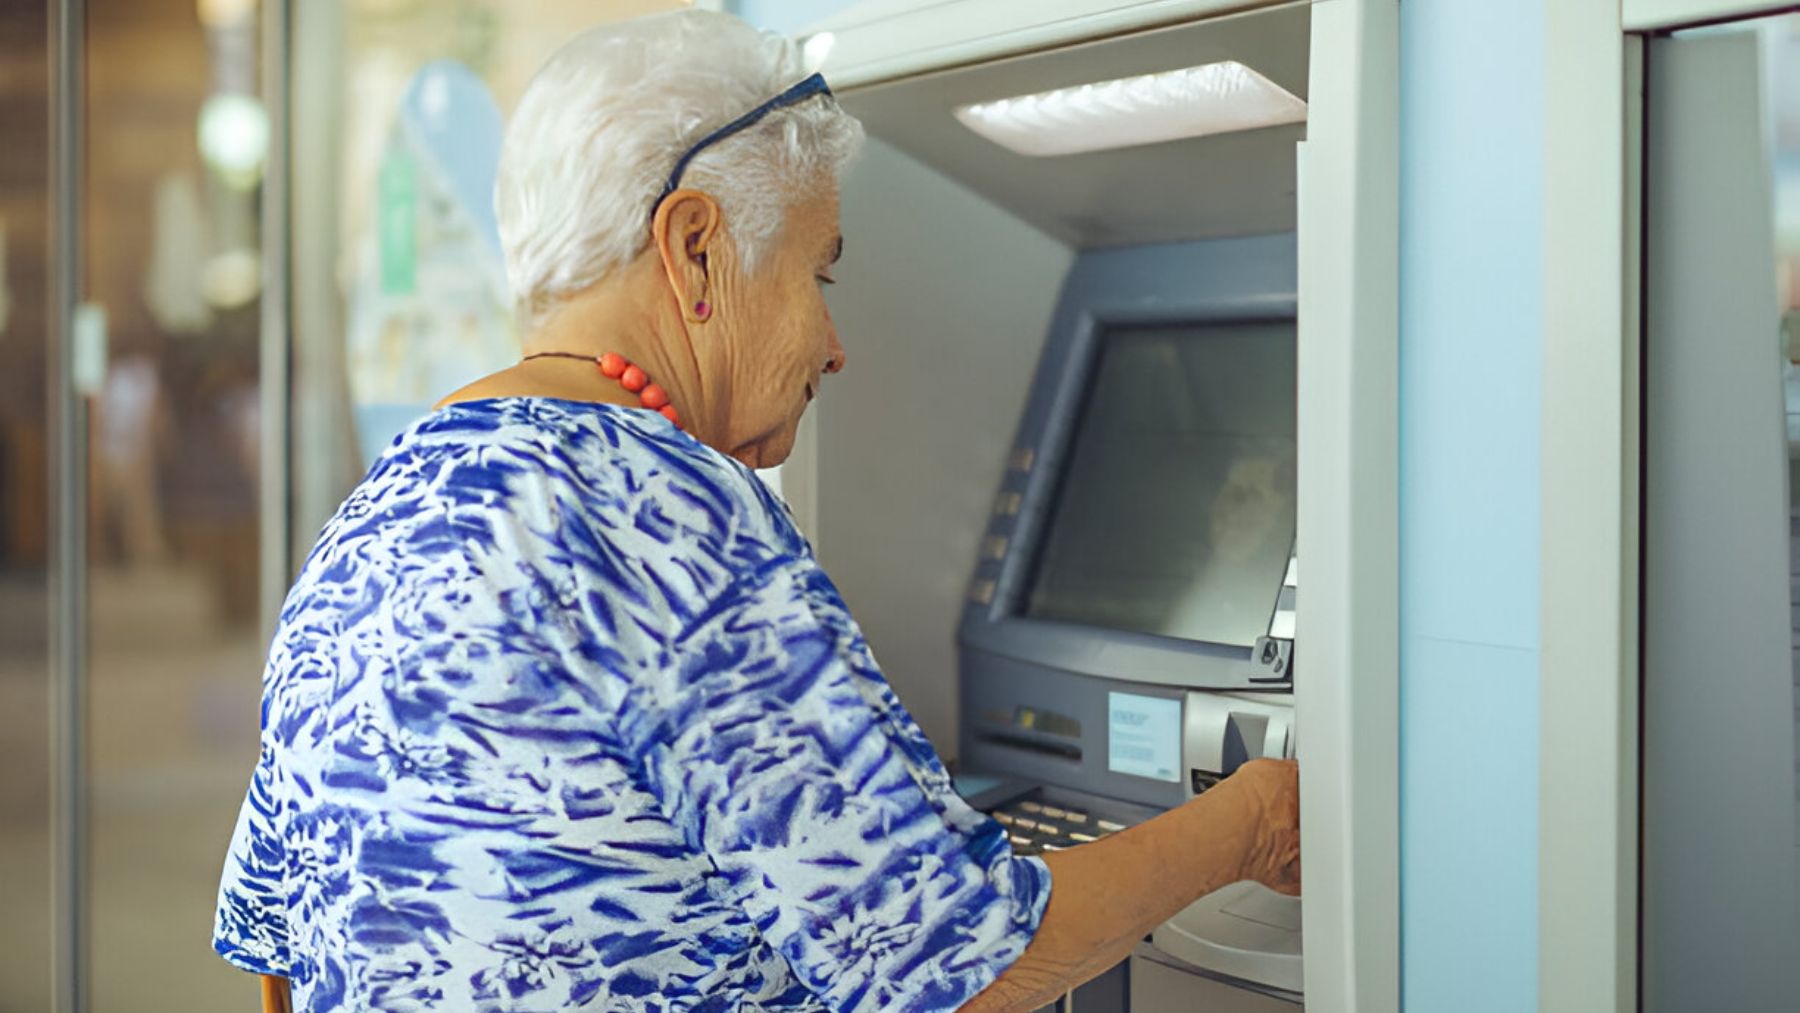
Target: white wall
(785,16)
(942,303)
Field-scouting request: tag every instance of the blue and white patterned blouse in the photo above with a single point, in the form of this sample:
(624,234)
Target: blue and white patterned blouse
(563,715)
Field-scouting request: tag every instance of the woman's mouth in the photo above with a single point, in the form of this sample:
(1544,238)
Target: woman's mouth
(809,392)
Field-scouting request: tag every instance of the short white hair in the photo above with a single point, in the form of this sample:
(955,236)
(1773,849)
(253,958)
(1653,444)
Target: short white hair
(602,124)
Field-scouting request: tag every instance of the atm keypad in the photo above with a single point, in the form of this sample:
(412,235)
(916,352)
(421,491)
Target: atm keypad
(1035,827)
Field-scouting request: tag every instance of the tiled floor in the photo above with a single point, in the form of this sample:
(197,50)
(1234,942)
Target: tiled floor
(172,724)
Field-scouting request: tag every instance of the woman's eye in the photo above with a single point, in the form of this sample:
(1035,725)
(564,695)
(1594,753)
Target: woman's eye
(826,279)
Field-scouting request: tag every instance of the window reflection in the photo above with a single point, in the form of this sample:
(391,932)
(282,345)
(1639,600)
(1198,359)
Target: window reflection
(405,107)
(176,145)
(1781,49)
(396,297)
(24,492)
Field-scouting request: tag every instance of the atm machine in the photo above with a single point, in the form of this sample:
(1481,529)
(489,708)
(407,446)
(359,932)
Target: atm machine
(1127,637)
(1057,482)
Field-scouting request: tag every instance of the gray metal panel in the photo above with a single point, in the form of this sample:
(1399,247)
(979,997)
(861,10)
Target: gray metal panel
(1161,984)
(1237,279)
(995,687)
(68,524)
(1718,875)
(275,353)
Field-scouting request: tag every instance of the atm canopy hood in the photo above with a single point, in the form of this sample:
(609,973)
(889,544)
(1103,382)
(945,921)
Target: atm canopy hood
(906,83)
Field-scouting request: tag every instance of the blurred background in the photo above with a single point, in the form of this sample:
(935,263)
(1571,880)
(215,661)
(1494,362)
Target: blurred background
(229,400)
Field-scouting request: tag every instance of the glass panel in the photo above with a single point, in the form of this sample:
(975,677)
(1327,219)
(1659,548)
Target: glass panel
(24,499)
(1175,515)
(176,138)
(400,292)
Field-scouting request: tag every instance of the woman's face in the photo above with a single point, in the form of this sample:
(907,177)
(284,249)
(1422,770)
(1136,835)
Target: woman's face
(777,336)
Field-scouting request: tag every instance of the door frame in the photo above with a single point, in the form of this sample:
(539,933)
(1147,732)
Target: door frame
(1347,701)
(1589,750)
(1588,674)
(68,456)
(1654,15)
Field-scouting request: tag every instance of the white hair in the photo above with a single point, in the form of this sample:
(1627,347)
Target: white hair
(602,124)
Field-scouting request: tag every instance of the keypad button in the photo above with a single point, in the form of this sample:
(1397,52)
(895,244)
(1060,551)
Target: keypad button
(1109,826)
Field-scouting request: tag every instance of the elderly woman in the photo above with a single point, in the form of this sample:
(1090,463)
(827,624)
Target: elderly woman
(562,713)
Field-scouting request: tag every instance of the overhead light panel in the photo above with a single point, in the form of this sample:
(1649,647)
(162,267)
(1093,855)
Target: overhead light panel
(815,50)
(1217,98)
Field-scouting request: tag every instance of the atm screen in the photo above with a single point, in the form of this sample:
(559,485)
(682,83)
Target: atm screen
(1174,514)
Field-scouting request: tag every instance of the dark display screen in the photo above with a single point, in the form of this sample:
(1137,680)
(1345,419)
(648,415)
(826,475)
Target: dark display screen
(1175,512)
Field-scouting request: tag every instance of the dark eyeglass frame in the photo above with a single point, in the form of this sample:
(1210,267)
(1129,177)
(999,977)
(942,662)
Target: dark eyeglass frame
(814,85)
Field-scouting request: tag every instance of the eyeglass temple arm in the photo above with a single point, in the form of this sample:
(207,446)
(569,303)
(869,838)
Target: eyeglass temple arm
(814,85)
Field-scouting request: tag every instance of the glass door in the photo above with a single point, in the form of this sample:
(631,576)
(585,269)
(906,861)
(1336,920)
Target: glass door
(1721,532)
(25,750)
(165,365)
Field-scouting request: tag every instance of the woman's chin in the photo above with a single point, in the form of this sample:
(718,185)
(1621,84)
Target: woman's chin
(765,453)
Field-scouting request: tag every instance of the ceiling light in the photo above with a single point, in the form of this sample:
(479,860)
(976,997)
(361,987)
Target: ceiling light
(1217,98)
(815,50)
(234,137)
(225,13)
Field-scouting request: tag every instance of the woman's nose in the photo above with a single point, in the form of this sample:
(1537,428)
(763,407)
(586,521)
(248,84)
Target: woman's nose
(834,363)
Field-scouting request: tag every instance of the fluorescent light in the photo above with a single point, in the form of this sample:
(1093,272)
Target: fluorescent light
(1217,98)
(234,137)
(217,14)
(816,49)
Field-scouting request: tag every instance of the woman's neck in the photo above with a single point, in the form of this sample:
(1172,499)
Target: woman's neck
(631,315)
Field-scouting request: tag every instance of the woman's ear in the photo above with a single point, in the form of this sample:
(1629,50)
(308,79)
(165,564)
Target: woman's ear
(685,228)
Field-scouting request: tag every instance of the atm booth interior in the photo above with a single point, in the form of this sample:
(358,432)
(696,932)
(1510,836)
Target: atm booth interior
(1057,483)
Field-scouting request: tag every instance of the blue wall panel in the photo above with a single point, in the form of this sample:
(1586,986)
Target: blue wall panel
(1471,357)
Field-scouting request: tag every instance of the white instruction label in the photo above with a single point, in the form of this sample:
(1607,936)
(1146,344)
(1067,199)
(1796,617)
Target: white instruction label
(1143,736)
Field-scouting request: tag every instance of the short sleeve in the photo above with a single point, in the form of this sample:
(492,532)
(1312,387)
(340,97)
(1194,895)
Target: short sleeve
(783,754)
(250,927)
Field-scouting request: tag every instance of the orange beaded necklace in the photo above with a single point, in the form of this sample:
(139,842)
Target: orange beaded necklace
(614,366)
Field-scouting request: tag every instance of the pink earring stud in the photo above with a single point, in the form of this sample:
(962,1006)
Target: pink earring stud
(702,309)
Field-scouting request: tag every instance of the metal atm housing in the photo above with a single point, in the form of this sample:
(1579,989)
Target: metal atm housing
(1042,696)
(980,294)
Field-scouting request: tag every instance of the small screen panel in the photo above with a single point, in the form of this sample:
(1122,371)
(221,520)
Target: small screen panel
(1143,736)
(1175,512)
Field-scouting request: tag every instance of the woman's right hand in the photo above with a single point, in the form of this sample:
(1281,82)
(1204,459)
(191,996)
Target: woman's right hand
(1108,895)
(1273,855)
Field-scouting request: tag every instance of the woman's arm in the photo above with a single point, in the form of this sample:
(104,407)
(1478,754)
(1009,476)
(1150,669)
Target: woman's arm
(1107,895)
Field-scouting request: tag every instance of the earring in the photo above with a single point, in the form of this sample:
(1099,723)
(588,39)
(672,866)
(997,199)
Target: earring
(702,309)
